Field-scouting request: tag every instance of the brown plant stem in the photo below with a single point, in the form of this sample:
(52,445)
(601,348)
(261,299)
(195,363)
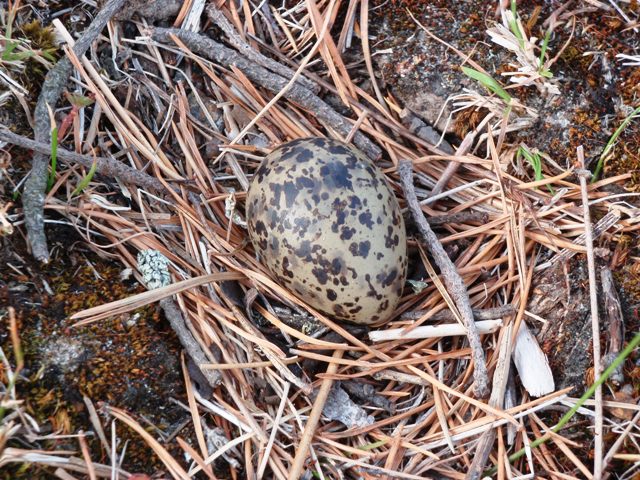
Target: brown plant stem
(584,175)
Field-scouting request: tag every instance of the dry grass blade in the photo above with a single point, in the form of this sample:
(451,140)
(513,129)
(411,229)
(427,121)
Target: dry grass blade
(151,296)
(172,465)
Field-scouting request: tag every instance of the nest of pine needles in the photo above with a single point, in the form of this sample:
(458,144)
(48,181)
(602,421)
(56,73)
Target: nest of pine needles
(194,111)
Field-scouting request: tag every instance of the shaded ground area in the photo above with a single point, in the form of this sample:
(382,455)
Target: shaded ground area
(131,361)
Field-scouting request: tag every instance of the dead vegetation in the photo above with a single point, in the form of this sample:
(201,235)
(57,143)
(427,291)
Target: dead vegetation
(180,120)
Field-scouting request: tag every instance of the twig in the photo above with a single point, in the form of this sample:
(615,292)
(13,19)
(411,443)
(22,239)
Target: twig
(458,218)
(275,83)
(447,315)
(451,278)
(33,195)
(314,418)
(172,312)
(105,166)
(583,175)
(453,166)
(500,377)
(245,49)
(433,331)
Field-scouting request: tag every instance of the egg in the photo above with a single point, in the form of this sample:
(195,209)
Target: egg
(325,222)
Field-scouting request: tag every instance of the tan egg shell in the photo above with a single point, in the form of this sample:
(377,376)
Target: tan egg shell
(327,225)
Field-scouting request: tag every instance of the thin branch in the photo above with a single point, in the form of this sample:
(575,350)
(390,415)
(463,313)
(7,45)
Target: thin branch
(104,166)
(447,315)
(584,175)
(54,84)
(451,278)
(217,17)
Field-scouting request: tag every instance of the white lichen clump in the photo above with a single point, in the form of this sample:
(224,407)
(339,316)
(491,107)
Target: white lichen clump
(154,267)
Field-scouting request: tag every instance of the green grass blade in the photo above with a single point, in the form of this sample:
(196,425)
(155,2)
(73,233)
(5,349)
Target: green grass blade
(543,49)
(513,24)
(85,181)
(535,161)
(54,158)
(488,82)
(611,142)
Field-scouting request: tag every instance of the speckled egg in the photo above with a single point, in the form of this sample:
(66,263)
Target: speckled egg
(325,222)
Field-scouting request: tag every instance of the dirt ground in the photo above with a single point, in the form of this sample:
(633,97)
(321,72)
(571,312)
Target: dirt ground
(134,361)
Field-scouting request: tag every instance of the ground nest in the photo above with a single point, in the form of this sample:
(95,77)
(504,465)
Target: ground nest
(141,335)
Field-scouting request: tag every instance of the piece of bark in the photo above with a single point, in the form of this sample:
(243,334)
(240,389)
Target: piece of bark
(615,324)
(532,364)
(425,131)
(54,84)
(367,393)
(304,97)
(341,408)
(151,10)
(559,295)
